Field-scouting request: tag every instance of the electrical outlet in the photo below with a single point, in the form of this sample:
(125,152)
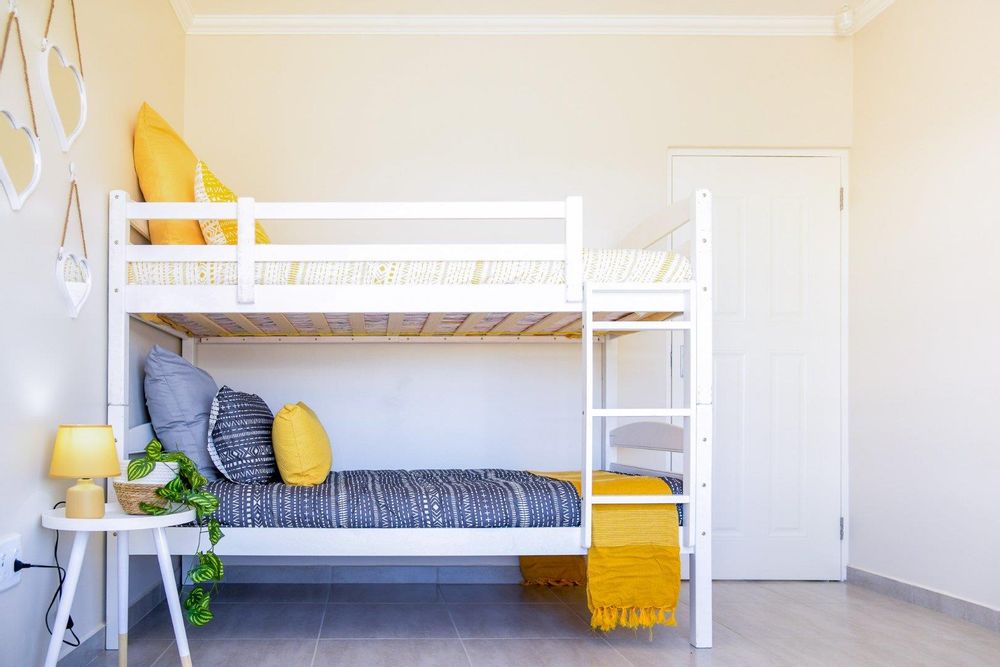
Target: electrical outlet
(10,549)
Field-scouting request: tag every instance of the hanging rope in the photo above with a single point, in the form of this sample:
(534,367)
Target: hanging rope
(12,21)
(74,191)
(76,31)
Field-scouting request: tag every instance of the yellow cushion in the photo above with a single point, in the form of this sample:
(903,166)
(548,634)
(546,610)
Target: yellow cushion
(165,167)
(208,188)
(301,446)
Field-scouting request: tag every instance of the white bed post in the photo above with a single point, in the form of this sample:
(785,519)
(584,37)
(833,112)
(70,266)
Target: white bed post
(246,239)
(609,396)
(574,249)
(587,468)
(118,323)
(699,459)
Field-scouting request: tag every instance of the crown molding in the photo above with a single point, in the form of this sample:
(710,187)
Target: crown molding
(866,12)
(600,24)
(185,14)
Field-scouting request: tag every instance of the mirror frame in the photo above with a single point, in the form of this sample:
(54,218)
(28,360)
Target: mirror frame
(65,141)
(15,197)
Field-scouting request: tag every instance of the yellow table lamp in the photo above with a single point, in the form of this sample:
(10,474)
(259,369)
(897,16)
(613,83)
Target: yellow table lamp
(84,451)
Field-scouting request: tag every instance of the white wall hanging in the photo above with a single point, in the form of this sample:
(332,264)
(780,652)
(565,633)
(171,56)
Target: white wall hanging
(22,168)
(62,86)
(72,271)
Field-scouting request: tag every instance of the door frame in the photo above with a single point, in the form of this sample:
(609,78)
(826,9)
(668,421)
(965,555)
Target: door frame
(841,154)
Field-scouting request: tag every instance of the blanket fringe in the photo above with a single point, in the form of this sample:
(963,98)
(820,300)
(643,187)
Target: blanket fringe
(551,582)
(607,619)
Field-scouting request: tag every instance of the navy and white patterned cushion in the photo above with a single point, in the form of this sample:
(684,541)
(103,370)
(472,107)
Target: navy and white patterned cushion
(239,437)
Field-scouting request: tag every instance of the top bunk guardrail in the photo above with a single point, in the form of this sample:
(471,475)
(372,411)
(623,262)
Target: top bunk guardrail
(246,211)
(245,257)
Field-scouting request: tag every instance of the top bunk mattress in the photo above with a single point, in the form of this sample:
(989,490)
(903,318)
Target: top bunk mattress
(599,266)
(489,498)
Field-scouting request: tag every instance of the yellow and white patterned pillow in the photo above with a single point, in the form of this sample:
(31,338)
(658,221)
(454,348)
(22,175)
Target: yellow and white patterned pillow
(208,188)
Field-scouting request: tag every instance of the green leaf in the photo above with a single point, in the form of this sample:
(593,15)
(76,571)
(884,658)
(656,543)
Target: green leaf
(197,598)
(176,485)
(155,510)
(199,574)
(139,468)
(213,562)
(172,495)
(154,449)
(196,480)
(214,532)
(199,617)
(203,501)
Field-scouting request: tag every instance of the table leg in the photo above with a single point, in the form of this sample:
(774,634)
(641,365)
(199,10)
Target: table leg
(68,591)
(122,539)
(170,589)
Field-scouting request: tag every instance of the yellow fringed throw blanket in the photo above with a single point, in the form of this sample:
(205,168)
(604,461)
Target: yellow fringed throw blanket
(633,568)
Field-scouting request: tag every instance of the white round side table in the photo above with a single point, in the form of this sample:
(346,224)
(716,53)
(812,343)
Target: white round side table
(116,520)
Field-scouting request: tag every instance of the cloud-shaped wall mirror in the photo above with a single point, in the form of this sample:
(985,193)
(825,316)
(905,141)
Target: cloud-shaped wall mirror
(20,160)
(65,95)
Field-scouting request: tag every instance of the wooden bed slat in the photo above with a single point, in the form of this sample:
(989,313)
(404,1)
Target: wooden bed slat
(431,324)
(394,324)
(549,323)
(209,324)
(286,327)
(573,327)
(319,321)
(357,321)
(245,324)
(508,325)
(470,322)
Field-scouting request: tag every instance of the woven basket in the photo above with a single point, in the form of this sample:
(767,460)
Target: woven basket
(130,494)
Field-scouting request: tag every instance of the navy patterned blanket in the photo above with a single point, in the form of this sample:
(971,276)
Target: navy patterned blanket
(405,499)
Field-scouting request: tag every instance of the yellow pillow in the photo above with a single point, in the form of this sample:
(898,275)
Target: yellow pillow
(301,446)
(165,167)
(208,188)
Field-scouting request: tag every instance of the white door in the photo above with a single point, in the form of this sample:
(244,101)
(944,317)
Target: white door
(777,457)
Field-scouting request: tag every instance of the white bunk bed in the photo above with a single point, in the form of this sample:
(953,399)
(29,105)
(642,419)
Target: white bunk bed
(574,311)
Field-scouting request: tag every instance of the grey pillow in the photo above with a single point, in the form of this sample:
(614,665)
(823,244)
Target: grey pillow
(239,437)
(179,398)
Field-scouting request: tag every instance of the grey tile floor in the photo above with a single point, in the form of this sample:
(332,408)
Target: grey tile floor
(768,623)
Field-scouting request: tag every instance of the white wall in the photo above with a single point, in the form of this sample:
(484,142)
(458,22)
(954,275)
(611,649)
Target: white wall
(53,368)
(465,118)
(459,118)
(422,406)
(924,290)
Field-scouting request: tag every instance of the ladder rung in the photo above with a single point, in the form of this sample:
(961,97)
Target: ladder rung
(666,499)
(640,412)
(639,325)
(641,287)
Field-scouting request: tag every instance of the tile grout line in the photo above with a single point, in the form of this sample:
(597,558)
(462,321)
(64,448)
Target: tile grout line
(322,620)
(602,637)
(461,641)
(162,653)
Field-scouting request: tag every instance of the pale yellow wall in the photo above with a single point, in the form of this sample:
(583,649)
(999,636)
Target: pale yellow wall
(925,286)
(54,367)
(458,118)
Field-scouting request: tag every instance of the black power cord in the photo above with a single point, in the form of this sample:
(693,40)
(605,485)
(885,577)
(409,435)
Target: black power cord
(18,566)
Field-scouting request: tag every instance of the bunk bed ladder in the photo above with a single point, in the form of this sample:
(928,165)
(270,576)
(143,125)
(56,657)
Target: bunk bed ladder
(696,534)
(590,328)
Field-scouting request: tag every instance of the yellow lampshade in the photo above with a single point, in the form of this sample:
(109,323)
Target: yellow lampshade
(84,450)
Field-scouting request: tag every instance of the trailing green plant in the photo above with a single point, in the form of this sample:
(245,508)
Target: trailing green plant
(187,491)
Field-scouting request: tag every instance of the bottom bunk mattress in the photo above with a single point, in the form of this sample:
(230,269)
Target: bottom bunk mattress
(489,498)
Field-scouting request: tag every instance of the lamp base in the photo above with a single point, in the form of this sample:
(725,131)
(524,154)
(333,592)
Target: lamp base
(84,500)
